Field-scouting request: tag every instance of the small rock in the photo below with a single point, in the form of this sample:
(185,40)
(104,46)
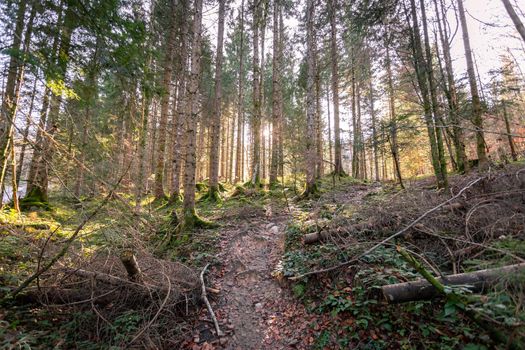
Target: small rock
(258,306)
(223,341)
(274,230)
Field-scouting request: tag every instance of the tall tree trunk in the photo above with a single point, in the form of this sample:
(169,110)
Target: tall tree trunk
(330,151)
(338,159)
(394,148)
(256,118)
(240,105)
(8,111)
(451,92)
(476,103)
(318,122)
(373,117)
(232,146)
(311,186)
(276,94)
(181,106)
(442,179)
(38,187)
(164,103)
(512,147)
(515,19)
(190,217)
(355,128)
(422,78)
(25,135)
(216,116)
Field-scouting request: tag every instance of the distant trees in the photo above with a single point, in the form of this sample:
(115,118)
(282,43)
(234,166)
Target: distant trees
(134,88)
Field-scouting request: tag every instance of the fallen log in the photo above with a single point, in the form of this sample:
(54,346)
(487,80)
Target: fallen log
(421,289)
(321,236)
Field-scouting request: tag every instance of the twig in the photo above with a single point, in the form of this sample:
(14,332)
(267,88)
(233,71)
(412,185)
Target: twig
(397,234)
(208,305)
(166,298)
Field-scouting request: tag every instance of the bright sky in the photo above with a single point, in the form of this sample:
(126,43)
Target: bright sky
(488,42)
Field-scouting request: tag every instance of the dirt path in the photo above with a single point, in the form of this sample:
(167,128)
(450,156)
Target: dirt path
(251,298)
(255,309)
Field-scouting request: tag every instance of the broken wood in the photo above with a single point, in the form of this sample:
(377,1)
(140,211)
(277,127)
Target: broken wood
(207,302)
(132,267)
(422,290)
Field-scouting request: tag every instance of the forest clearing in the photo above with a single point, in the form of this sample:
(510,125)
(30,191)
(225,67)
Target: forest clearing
(262,174)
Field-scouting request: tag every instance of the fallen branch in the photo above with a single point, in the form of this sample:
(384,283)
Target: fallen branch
(423,290)
(459,299)
(207,302)
(386,240)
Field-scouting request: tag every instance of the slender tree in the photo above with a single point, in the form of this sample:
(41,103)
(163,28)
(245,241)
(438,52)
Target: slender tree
(213,193)
(477,119)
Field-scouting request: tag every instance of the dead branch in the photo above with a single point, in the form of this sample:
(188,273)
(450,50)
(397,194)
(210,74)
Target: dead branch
(391,237)
(208,305)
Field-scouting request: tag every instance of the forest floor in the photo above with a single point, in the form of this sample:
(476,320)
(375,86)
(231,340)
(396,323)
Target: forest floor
(258,246)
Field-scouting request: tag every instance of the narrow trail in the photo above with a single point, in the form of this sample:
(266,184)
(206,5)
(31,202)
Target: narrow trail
(251,299)
(256,309)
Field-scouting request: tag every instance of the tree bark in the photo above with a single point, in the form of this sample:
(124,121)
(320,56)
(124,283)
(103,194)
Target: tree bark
(216,116)
(311,186)
(476,103)
(442,179)
(276,94)
(421,68)
(8,110)
(164,103)
(194,107)
(181,106)
(255,173)
(515,19)
(38,187)
(338,160)
(240,104)
(422,290)
(394,148)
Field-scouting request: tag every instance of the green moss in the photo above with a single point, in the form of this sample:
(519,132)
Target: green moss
(213,195)
(35,198)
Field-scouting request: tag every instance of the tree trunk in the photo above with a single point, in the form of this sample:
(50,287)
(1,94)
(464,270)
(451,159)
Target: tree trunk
(421,68)
(329,130)
(338,160)
(276,95)
(8,111)
(515,19)
(239,161)
(451,92)
(25,135)
(311,186)
(422,290)
(512,147)
(164,103)
(256,118)
(393,118)
(194,107)
(216,116)
(476,103)
(38,188)
(373,115)
(442,179)
(181,106)
(319,169)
